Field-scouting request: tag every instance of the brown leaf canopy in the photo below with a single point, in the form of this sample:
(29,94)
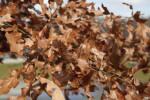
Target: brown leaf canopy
(65,45)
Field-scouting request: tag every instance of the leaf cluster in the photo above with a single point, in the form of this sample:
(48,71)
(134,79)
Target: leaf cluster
(65,45)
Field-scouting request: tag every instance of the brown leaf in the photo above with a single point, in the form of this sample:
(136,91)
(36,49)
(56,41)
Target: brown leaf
(59,2)
(82,64)
(132,95)
(85,5)
(119,94)
(52,87)
(86,92)
(120,53)
(61,78)
(136,81)
(147,91)
(142,30)
(41,33)
(28,73)
(52,35)
(99,54)
(43,7)
(96,12)
(50,54)
(106,12)
(60,46)
(10,9)
(10,82)
(26,90)
(36,90)
(14,39)
(6,18)
(43,43)
(137,17)
(29,42)
(113,95)
(51,5)
(35,1)
(103,97)
(39,63)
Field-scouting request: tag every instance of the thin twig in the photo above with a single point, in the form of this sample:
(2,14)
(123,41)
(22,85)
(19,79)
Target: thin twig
(52,18)
(9,25)
(113,75)
(101,28)
(108,74)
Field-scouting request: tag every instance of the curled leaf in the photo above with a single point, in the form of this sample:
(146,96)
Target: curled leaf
(10,82)
(52,87)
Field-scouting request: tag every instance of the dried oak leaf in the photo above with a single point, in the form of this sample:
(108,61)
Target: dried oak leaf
(83,64)
(62,10)
(32,90)
(39,63)
(51,5)
(116,95)
(136,81)
(11,82)
(52,87)
(44,7)
(103,96)
(97,12)
(35,1)
(43,31)
(112,95)
(37,90)
(120,94)
(132,95)
(6,18)
(28,77)
(137,18)
(82,79)
(26,90)
(43,43)
(142,30)
(106,12)
(60,46)
(59,2)
(120,53)
(28,73)
(87,89)
(99,54)
(14,39)
(50,54)
(85,5)
(10,9)
(52,35)
(61,78)
(29,42)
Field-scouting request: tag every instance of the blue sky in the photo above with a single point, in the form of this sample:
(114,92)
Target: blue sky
(118,8)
